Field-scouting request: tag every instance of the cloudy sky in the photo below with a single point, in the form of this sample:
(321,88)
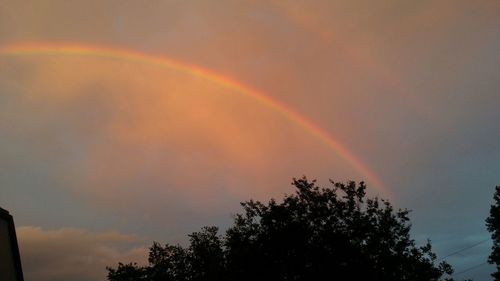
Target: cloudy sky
(124,122)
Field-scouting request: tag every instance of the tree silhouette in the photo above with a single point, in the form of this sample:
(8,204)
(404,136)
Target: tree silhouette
(314,234)
(493,224)
(128,272)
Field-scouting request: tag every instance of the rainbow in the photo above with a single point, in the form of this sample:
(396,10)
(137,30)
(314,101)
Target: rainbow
(33,49)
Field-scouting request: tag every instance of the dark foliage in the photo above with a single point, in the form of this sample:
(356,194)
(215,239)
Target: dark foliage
(127,272)
(493,224)
(314,234)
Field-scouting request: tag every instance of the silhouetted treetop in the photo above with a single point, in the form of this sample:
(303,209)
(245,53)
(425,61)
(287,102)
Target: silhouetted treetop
(315,233)
(493,224)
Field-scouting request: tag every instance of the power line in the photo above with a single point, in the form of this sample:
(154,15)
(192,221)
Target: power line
(470,268)
(464,249)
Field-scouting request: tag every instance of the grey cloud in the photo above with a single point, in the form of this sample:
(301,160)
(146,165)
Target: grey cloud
(75,254)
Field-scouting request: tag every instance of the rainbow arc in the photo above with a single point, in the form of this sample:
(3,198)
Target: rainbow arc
(36,49)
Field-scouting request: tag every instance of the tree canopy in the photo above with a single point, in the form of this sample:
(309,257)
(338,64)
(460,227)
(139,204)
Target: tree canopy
(333,233)
(493,224)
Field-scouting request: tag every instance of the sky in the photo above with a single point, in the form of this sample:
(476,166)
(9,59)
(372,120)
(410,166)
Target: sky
(127,122)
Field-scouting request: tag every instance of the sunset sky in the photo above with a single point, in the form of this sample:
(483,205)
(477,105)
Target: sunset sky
(127,122)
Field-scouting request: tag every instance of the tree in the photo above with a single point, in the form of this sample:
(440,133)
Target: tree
(493,224)
(314,234)
(127,272)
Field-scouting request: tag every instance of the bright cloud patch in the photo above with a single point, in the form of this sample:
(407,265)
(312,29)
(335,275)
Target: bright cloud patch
(75,254)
